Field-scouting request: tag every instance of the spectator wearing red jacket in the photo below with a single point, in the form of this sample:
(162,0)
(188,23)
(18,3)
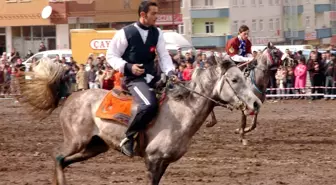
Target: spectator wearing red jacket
(187,72)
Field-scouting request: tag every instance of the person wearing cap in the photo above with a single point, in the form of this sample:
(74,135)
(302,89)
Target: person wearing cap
(132,52)
(239,48)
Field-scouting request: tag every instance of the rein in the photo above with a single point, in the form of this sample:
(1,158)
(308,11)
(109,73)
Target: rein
(215,101)
(252,76)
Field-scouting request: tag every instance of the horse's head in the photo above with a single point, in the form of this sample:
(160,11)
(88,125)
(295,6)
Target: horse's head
(231,87)
(271,56)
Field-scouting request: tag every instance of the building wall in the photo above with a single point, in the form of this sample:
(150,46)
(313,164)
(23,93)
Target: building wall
(62,36)
(17,13)
(116,11)
(216,4)
(265,20)
(221,25)
(187,22)
(169,10)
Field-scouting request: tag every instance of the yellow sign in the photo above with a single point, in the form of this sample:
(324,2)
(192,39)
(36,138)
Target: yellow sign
(86,41)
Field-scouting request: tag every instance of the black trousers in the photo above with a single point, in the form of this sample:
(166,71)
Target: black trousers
(148,105)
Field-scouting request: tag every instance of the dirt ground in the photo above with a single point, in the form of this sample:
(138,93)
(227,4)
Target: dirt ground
(293,145)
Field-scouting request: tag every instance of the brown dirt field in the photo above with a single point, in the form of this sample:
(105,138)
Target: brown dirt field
(293,145)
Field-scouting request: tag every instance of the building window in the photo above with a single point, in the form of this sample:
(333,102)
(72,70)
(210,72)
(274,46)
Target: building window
(181,3)
(270,2)
(208,2)
(254,25)
(242,2)
(253,2)
(307,22)
(277,2)
(29,38)
(261,25)
(37,31)
(277,24)
(181,29)
(271,26)
(243,22)
(260,2)
(234,2)
(209,27)
(235,26)
(49,31)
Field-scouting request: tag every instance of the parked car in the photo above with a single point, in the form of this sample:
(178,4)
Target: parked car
(67,53)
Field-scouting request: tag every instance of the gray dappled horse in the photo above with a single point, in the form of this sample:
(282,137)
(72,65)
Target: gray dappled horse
(166,140)
(258,80)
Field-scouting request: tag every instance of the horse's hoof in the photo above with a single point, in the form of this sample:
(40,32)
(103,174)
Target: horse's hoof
(210,124)
(237,131)
(244,142)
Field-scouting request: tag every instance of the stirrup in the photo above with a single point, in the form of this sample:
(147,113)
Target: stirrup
(126,139)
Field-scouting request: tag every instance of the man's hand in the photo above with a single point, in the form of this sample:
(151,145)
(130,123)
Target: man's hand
(137,69)
(174,79)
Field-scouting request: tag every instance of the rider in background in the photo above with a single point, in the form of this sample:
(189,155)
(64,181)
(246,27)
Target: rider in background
(239,48)
(132,52)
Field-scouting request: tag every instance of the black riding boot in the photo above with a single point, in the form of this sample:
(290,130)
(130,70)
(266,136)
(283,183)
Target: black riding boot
(127,145)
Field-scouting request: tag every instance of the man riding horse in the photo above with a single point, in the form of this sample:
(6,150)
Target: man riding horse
(132,52)
(239,48)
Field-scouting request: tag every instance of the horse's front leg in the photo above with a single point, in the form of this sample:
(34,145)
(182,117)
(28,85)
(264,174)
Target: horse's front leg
(254,124)
(213,121)
(241,130)
(155,170)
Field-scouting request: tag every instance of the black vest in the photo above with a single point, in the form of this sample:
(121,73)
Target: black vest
(138,52)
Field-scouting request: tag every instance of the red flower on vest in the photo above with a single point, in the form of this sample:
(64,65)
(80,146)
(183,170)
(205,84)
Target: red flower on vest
(152,49)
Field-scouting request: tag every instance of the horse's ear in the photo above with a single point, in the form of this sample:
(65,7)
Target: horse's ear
(270,45)
(225,62)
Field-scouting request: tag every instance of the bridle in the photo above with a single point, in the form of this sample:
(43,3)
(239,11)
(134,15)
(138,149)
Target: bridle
(218,103)
(250,70)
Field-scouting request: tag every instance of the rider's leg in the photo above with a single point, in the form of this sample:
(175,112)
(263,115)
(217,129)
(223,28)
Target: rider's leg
(147,110)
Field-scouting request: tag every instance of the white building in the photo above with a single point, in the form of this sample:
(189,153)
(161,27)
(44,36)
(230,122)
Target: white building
(264,18)
(210,23)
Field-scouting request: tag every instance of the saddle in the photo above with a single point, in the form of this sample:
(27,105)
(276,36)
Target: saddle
(118,105)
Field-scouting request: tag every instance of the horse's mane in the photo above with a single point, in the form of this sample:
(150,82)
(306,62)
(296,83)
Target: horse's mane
(180,93)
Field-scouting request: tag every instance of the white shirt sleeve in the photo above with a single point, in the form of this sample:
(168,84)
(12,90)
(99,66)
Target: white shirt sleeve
(115,51)
(165,61)
(239,58)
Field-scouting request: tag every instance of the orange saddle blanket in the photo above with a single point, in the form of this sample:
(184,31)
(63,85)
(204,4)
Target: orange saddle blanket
(116,107)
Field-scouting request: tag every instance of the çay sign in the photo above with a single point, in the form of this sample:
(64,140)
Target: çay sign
(100,44)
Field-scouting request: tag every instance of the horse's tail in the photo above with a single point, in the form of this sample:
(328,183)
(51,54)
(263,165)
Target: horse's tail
(41,91)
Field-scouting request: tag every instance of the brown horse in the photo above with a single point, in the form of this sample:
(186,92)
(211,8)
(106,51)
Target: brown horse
(167,139)
(258,80)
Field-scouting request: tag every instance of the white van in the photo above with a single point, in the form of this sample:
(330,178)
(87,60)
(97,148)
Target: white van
(175,41)
(293,48)
(67,53)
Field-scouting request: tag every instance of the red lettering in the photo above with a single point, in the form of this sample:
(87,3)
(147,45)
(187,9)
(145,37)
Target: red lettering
(102,45)
(95,44)
(107,43)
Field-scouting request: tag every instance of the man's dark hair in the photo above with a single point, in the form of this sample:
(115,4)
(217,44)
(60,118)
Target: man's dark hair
(144,6)
(243,28)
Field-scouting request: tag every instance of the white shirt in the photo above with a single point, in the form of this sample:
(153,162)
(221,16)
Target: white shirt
(119,44)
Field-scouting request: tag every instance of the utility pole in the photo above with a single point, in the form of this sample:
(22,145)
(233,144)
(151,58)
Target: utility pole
(173,13)
(293,19)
